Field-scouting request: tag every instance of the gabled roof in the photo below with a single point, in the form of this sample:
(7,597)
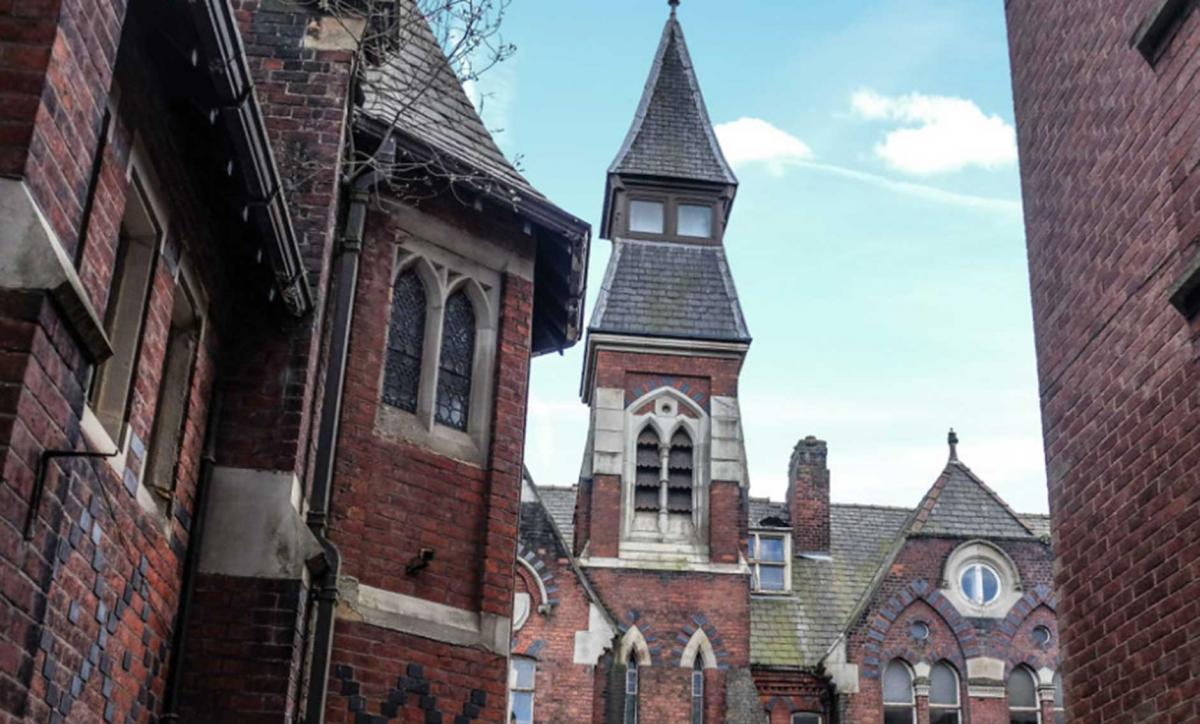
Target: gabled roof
(560,505)
(961,505)
(661,289)
(671,135)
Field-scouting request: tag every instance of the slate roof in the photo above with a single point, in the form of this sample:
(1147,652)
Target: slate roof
(1039,524)
(560,504)
(961,505)
(797,629)
(762,508)
(671,135)
(663,289)
(419,93)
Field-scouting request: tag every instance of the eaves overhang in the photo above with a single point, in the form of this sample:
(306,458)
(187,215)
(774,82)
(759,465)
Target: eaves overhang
(239,113)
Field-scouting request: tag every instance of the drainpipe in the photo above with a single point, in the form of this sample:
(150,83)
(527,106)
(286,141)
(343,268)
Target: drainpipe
(326,586)
(208,461)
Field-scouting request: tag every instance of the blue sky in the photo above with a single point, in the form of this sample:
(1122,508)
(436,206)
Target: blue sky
(876,242)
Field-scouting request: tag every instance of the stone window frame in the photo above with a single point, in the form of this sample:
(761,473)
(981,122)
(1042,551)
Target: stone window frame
(756,534)
(513,687)
(666,423)
(444,273)
(986,552)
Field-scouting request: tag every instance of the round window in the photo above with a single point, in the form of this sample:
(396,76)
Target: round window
(919,630)
(980,584)
(1041,635)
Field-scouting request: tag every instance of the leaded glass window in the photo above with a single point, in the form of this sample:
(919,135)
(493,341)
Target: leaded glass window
(406,339)
(698,690)
(454,367)
(631,689)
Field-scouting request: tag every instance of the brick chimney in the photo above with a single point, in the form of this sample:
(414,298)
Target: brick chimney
(808,497)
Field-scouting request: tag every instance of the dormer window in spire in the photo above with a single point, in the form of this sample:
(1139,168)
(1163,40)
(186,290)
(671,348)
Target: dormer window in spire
(671,216)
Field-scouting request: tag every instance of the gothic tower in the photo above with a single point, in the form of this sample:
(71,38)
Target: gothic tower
(661,512)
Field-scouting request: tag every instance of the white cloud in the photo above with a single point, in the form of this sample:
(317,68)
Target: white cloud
(940,133)
(753,140)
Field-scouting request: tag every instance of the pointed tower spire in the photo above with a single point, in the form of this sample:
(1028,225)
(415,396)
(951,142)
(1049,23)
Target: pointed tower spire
(670,141)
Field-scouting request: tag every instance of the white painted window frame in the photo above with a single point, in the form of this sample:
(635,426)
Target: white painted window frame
(981,551)
(956,707)
(756,535)
(443,274)
(513,689)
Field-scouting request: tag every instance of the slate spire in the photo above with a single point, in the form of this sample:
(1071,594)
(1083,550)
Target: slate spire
(671,135)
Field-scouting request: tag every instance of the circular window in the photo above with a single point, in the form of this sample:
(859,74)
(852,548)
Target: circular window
(1041,635)
(919,630)
(980,583)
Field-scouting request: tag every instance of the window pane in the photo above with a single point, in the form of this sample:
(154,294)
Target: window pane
(803,718)
(991,584)
(770,548)
(750,545)
(898,715)
(524,669)
(970,585)
(522,706)
(1021,691)
(897,684)
(695,220)
(943,687)
(646,216)
(406,338)
(631,680)
(458,354)
(770,578)
(943,716)
(1058,694)
(1023,717)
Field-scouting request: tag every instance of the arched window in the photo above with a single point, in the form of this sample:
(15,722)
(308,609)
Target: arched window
(1060,711)
(944,705)
(520,684)
(455,362)
(406,339)
(698,691)
(899,705)
(663,496)
(1022,697)
(631,689)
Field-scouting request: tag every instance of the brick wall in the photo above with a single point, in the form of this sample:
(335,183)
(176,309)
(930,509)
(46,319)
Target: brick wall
(909,593)
(808,496)
(1109,158)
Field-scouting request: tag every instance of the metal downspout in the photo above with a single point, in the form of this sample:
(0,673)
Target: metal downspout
(326,588)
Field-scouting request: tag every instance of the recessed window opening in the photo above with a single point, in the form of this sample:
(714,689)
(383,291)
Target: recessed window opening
(646,217)
(631,689)
(1041,635)
(129,295)
(664,481)
(166,435)
(694,220)
(804,717)
(768,559)
(919,630)
(980,583)
(899,704)
(944,707)
(698,691)
(1022,698)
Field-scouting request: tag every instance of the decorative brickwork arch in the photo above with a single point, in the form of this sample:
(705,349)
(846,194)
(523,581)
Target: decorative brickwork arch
(543,579)
(698,646)
(681,387)
(701,637)
(969,645)
(633,641)
(1009,647)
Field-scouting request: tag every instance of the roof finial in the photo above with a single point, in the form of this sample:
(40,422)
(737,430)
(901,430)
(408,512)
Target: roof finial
(674,4)
(952,439)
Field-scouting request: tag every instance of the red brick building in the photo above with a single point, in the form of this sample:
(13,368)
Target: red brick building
(243,395)
(1108,135)
(657,590)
